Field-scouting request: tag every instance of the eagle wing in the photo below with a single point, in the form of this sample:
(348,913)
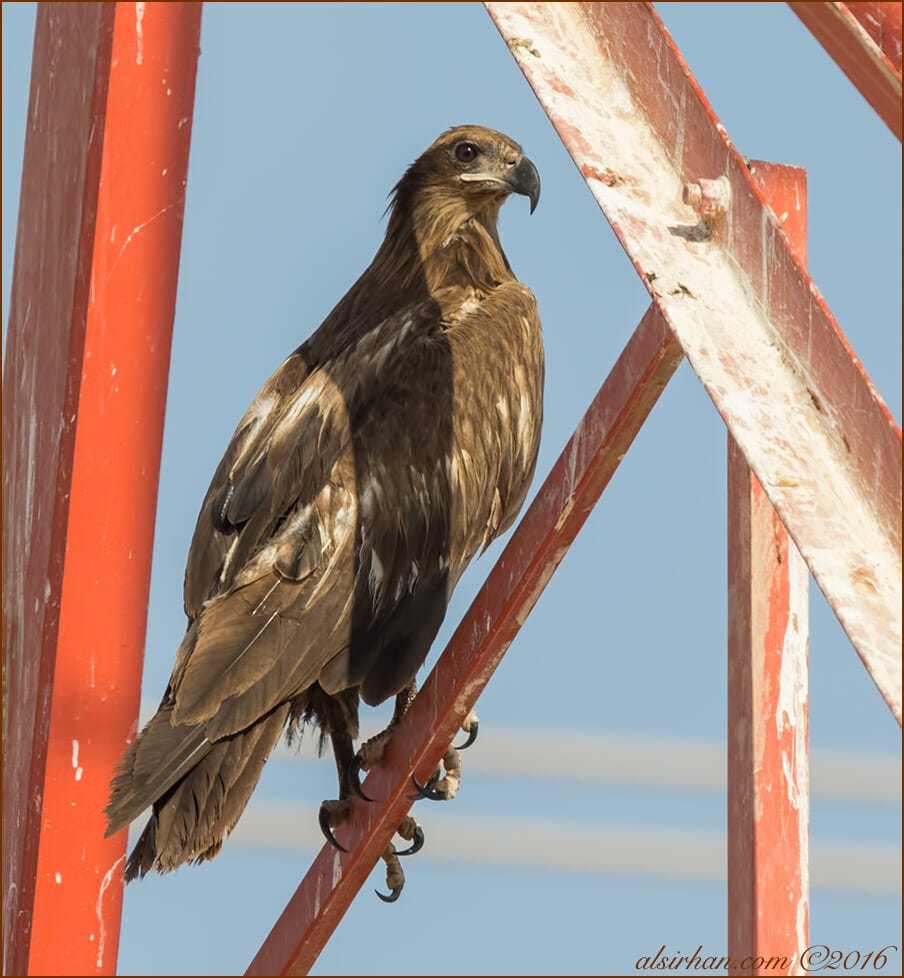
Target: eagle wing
(351,497)
(280,558)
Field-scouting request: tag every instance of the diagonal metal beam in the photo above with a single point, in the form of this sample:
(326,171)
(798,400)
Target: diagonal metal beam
(516,581)
(864,39)
(750,320)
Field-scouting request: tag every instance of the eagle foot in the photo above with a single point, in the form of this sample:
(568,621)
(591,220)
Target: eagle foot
(411,832)
(443,785)
(333,814)
(395,876)
(370,753)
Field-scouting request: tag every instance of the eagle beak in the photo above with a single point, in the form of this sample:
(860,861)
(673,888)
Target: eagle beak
(520,178)
(524,179)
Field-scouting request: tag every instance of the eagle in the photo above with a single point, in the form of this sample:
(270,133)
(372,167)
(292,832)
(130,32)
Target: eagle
(388,449)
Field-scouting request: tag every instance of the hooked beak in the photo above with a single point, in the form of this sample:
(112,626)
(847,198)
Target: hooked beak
(524,179)
(521,178)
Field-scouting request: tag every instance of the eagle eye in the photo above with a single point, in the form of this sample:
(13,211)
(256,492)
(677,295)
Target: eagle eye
(466,152)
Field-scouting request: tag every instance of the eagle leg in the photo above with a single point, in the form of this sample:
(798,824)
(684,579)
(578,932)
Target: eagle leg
(348,764)
(333,813)
(371,751)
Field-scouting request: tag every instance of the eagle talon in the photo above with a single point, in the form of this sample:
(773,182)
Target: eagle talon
(471,731)
(394,895)
(427,790)
(324,819)
(354,775)
(426,787)
(417,843)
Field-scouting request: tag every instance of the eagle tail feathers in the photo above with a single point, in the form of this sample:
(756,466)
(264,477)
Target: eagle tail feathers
(195,812)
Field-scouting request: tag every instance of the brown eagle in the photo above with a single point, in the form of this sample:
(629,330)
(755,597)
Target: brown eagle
(389,448)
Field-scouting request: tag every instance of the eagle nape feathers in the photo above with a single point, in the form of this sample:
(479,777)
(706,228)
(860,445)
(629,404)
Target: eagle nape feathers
(388,449)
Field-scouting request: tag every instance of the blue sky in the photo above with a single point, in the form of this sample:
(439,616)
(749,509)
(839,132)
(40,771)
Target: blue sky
(306,115)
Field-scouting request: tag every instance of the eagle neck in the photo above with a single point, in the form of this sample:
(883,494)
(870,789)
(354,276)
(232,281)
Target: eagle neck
(443,247)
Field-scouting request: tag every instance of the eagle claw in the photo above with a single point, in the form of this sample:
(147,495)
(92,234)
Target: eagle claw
(471,731)
(427,790)
(354,775)
(443,785)
(417,843)
(394,894)
(328,812)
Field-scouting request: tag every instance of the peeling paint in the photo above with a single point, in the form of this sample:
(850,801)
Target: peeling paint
(139,33)
(790,712)
(99,908)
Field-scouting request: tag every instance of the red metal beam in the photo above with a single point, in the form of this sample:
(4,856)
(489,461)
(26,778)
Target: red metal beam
(864,39)
(768,769)
(93,297)
(882,21)
(500,608)
(751,322)
(46,329)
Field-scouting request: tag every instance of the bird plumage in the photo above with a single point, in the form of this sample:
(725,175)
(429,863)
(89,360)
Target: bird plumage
(389,448)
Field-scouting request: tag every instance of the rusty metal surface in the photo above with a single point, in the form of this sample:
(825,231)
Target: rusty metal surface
(768,750)
(500,608)
(751,322)
(46,335)
(864,39)
(882,21)
(93,300)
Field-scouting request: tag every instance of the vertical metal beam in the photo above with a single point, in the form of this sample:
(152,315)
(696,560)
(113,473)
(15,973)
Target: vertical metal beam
(535,550)
(768,764)
(93,298)
(864,39)
(52,267)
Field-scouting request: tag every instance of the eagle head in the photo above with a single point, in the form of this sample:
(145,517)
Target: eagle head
(472,169)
